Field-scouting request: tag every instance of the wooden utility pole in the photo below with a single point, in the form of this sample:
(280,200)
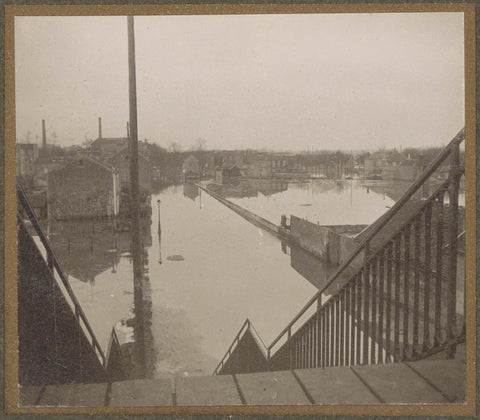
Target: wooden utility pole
(137,250)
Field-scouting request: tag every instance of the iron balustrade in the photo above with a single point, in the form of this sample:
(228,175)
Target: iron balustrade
(400,302)
(55,267)
(247,326)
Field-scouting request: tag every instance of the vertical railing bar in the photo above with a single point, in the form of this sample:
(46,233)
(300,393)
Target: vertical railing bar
(416,287)
(373,292)
(347,311)
(318,340)
(327,335)
(406,289)
(366,312)
(358,321)
(337,331)
(428,256)
(439,269)
(353,285)
(381,298)
(324,338)
(452,251)
(389,302)
(396,328)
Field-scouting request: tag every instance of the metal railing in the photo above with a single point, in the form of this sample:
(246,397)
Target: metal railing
(393,307)
(247,326)
(25,210)
(397,298)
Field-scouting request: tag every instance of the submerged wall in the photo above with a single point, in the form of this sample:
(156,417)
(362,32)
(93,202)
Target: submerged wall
(332,243)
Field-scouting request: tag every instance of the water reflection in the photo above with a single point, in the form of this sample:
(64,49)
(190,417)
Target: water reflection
(316,271)
(92,251)
(88,248)
(327,202)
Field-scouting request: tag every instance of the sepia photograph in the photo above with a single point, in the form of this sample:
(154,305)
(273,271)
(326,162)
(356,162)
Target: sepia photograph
(265,209)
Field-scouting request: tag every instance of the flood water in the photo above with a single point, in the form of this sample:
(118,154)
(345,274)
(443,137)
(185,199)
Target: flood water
(221,269)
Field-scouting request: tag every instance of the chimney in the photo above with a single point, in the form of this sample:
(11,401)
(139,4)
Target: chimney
(44,135)
(99,127)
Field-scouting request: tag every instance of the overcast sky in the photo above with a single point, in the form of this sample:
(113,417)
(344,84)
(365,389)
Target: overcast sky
(311,81)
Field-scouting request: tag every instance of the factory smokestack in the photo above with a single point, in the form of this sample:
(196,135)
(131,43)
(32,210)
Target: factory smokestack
(44,135)
(99,127)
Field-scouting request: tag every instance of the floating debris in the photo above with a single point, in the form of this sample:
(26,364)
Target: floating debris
(175,258)
(305,205)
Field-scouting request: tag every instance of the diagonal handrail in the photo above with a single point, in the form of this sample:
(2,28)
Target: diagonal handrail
(54,263)
(246,326)
(377,226)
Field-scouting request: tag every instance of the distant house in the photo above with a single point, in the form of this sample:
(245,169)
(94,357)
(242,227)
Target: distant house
(26,154)
(120,161)
(106,148)
(82,188)
(407,170)
(227,174)
(191,168)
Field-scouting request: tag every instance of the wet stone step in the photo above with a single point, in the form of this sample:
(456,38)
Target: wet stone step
(141,392)
(207,390)
(78,395)
(397,383)
(335,386)
(271,388)
(448,376)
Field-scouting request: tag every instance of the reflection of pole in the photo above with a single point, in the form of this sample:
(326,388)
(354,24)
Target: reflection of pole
(159,235)
(200,197)
(351,193)
(135,213)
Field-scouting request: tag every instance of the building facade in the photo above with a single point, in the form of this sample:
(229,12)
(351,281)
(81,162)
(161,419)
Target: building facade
(82,188)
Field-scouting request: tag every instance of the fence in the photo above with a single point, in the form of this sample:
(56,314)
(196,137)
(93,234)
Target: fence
(397,296)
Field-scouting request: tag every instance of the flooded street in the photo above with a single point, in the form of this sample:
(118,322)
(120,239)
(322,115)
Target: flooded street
(216,269)
(327,202)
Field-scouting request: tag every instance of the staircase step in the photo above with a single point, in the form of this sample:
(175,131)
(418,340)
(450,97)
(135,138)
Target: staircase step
(202,390)
(271,388)
(421,382)
(397,383)
(335,385)
(447,376)
(141,392)
(78,395)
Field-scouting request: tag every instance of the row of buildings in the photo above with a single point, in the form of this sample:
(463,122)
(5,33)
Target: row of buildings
(223,165)
(93,182)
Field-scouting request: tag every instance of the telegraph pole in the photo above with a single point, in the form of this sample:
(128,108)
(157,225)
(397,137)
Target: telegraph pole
(134,207)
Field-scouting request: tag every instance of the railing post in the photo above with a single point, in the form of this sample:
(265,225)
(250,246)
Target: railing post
(289,336)
(366,305)
(452,251)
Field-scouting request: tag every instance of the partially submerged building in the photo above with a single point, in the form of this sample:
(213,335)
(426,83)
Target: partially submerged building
(120,161)
(83,188)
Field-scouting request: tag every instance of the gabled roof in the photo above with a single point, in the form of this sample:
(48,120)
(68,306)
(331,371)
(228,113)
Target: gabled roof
(110,141)
(125,148)
(85,158)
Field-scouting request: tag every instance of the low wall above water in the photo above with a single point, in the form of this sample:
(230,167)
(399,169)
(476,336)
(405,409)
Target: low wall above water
(333,243)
